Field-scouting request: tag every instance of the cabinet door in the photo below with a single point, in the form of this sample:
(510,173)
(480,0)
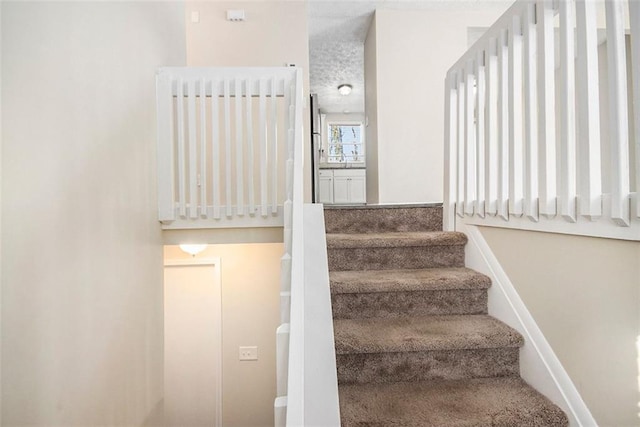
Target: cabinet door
(326,189)
(357,189)
(341,189)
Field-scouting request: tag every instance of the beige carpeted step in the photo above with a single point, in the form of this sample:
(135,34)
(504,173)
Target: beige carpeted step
(407,250)
(399,239)
(413,292)
(380,219)
(490,402)
(418,348)
(430,279)
(421,333)
(414,346)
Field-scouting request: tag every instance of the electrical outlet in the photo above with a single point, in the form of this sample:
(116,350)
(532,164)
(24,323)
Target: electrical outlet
(249,353)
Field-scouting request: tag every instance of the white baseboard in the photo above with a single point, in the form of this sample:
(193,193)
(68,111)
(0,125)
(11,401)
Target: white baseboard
(539,365)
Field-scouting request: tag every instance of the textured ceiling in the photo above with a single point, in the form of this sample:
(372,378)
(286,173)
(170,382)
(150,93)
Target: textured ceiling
(337,31)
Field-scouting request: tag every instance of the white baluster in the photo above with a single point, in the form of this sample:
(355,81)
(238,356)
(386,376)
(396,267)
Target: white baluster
(516,163)
(239,151)
(250,155)
(215,148)
(460,150)
(285,272)
(288,118)
(181,150)
(567,197)
(503,126)
(530,114)
(480,133)
(285,307)
(263,149)
(282,359)
(491,128)
(227,139)
(618,113)
(193,160)
(203,147)
(280,412)
(546,108)
(273,143)
(588,79)
(469,141)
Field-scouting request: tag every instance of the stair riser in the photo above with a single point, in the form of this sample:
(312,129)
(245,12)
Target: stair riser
(381,220)
(341,259)
(396,304)
(364,368)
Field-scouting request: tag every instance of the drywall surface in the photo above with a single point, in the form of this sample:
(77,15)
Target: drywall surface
(82,255)
(584,294)
(250,278)
(414,49)
(275,33)
(371,112)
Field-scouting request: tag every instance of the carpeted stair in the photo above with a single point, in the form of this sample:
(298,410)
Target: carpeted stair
(414,343)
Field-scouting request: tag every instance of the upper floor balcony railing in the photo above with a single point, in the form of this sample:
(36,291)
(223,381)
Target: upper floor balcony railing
(225,145)
(543,121)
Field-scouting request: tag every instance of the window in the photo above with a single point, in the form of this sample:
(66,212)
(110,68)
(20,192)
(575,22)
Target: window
(346,142)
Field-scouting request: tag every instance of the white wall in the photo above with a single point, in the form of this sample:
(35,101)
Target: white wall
(371,111)
(81,246)
(414,49)
(584,294)
(250,278)
(275,33)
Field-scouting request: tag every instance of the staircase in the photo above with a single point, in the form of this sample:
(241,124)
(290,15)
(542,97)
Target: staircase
(414,343)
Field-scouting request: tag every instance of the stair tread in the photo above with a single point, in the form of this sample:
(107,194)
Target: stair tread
(422,333)
(395,239)
(377,219)
(407,280)
(471,402)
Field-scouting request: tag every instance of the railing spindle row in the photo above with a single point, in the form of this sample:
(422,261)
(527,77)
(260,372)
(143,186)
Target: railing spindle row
(524,137)
(210,164)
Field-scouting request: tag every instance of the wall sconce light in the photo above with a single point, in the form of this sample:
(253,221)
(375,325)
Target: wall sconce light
(345,89)
(193,250)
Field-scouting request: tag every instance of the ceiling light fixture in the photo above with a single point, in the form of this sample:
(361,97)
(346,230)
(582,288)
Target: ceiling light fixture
(345,89)
(193,250)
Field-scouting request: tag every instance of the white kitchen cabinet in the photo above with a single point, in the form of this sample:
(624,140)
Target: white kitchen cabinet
(343,186)
(325,186)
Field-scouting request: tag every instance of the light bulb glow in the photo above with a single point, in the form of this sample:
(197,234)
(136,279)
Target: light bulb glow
(192,250)
(345,89)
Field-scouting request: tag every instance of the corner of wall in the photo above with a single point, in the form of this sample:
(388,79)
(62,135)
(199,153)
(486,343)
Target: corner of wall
(371,111)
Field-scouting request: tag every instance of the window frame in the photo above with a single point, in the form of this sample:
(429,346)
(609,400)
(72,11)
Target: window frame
(337,122)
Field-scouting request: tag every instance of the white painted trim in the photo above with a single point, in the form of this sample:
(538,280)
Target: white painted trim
(191,261)
(539,366)
(247,221)
(322,408)
(214,262)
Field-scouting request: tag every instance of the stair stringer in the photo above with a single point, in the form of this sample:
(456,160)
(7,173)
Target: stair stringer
(539,366)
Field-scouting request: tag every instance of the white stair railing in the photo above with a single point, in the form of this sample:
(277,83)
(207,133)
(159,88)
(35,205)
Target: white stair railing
(289,404)
(517,158)
(224,135)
